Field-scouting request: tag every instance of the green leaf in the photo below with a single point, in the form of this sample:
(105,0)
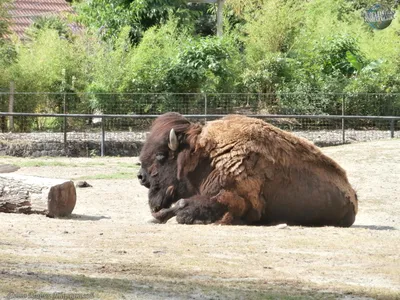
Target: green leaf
(353,60)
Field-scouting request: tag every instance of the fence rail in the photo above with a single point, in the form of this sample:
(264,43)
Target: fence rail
(199,116)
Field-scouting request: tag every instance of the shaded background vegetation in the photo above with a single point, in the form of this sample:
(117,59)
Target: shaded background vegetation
(303,54)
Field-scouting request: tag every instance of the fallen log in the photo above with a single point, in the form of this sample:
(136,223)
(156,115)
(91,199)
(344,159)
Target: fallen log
(30,194)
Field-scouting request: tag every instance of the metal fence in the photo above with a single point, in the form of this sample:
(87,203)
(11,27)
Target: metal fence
(203,103)
(326,119)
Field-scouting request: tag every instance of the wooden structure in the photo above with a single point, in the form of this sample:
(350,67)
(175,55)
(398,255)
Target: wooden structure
(219,12)
(24,12)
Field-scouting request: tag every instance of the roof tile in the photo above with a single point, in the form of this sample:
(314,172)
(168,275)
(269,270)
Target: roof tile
(24,12)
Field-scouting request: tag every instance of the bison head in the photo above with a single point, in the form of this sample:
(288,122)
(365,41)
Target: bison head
(159,156)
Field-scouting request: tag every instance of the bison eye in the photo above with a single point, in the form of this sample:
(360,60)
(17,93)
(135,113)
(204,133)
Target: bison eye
(161,157)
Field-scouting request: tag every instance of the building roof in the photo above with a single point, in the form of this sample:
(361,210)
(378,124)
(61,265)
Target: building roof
(24,12)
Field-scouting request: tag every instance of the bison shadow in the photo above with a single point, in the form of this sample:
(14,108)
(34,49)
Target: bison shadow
(375,227)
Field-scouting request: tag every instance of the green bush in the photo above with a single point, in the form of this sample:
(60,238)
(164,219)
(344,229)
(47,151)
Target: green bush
(204,65)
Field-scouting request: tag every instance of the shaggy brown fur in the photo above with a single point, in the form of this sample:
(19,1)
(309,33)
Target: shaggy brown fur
(257,173)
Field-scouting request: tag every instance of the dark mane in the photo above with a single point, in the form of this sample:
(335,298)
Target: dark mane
(163,124)
(159,132)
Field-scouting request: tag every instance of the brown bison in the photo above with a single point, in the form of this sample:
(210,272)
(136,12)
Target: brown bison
(241,170)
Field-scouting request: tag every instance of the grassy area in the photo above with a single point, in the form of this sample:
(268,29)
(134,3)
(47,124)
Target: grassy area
(43,163)
(117,175)
(61,162)
(105,168)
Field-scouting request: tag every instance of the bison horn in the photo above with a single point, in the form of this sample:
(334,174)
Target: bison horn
(173,140)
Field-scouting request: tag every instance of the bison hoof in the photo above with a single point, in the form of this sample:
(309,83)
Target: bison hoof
(153,221)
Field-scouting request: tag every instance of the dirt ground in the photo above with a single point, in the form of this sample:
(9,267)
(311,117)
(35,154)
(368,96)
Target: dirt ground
(108,250)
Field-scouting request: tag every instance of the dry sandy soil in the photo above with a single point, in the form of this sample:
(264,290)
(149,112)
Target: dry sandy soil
(108,250)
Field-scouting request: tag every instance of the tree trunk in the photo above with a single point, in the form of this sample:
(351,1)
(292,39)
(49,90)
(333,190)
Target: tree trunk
(29,194)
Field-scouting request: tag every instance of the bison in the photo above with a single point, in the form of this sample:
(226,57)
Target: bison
(241,170)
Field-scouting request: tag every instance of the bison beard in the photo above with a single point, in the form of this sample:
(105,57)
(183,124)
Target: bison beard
(240,170)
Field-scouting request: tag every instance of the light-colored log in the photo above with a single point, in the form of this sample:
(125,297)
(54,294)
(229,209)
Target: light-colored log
(30,194)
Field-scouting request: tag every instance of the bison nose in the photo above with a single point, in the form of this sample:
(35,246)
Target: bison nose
(156,209)
(142,177)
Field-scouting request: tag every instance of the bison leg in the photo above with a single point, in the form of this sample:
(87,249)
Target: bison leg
(226,208)
(167,213)
(201,210)
(236,207)
(195,210)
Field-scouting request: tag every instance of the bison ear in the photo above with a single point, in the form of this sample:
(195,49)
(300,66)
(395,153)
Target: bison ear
(173,143)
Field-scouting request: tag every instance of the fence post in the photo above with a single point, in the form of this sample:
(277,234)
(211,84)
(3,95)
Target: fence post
(11,106)
(103,135)
(392,128)
(343,128)
(205,107)
(65,124)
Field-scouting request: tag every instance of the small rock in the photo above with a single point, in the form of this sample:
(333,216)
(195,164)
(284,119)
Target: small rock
(281,226)
(82,184)
(23,195)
